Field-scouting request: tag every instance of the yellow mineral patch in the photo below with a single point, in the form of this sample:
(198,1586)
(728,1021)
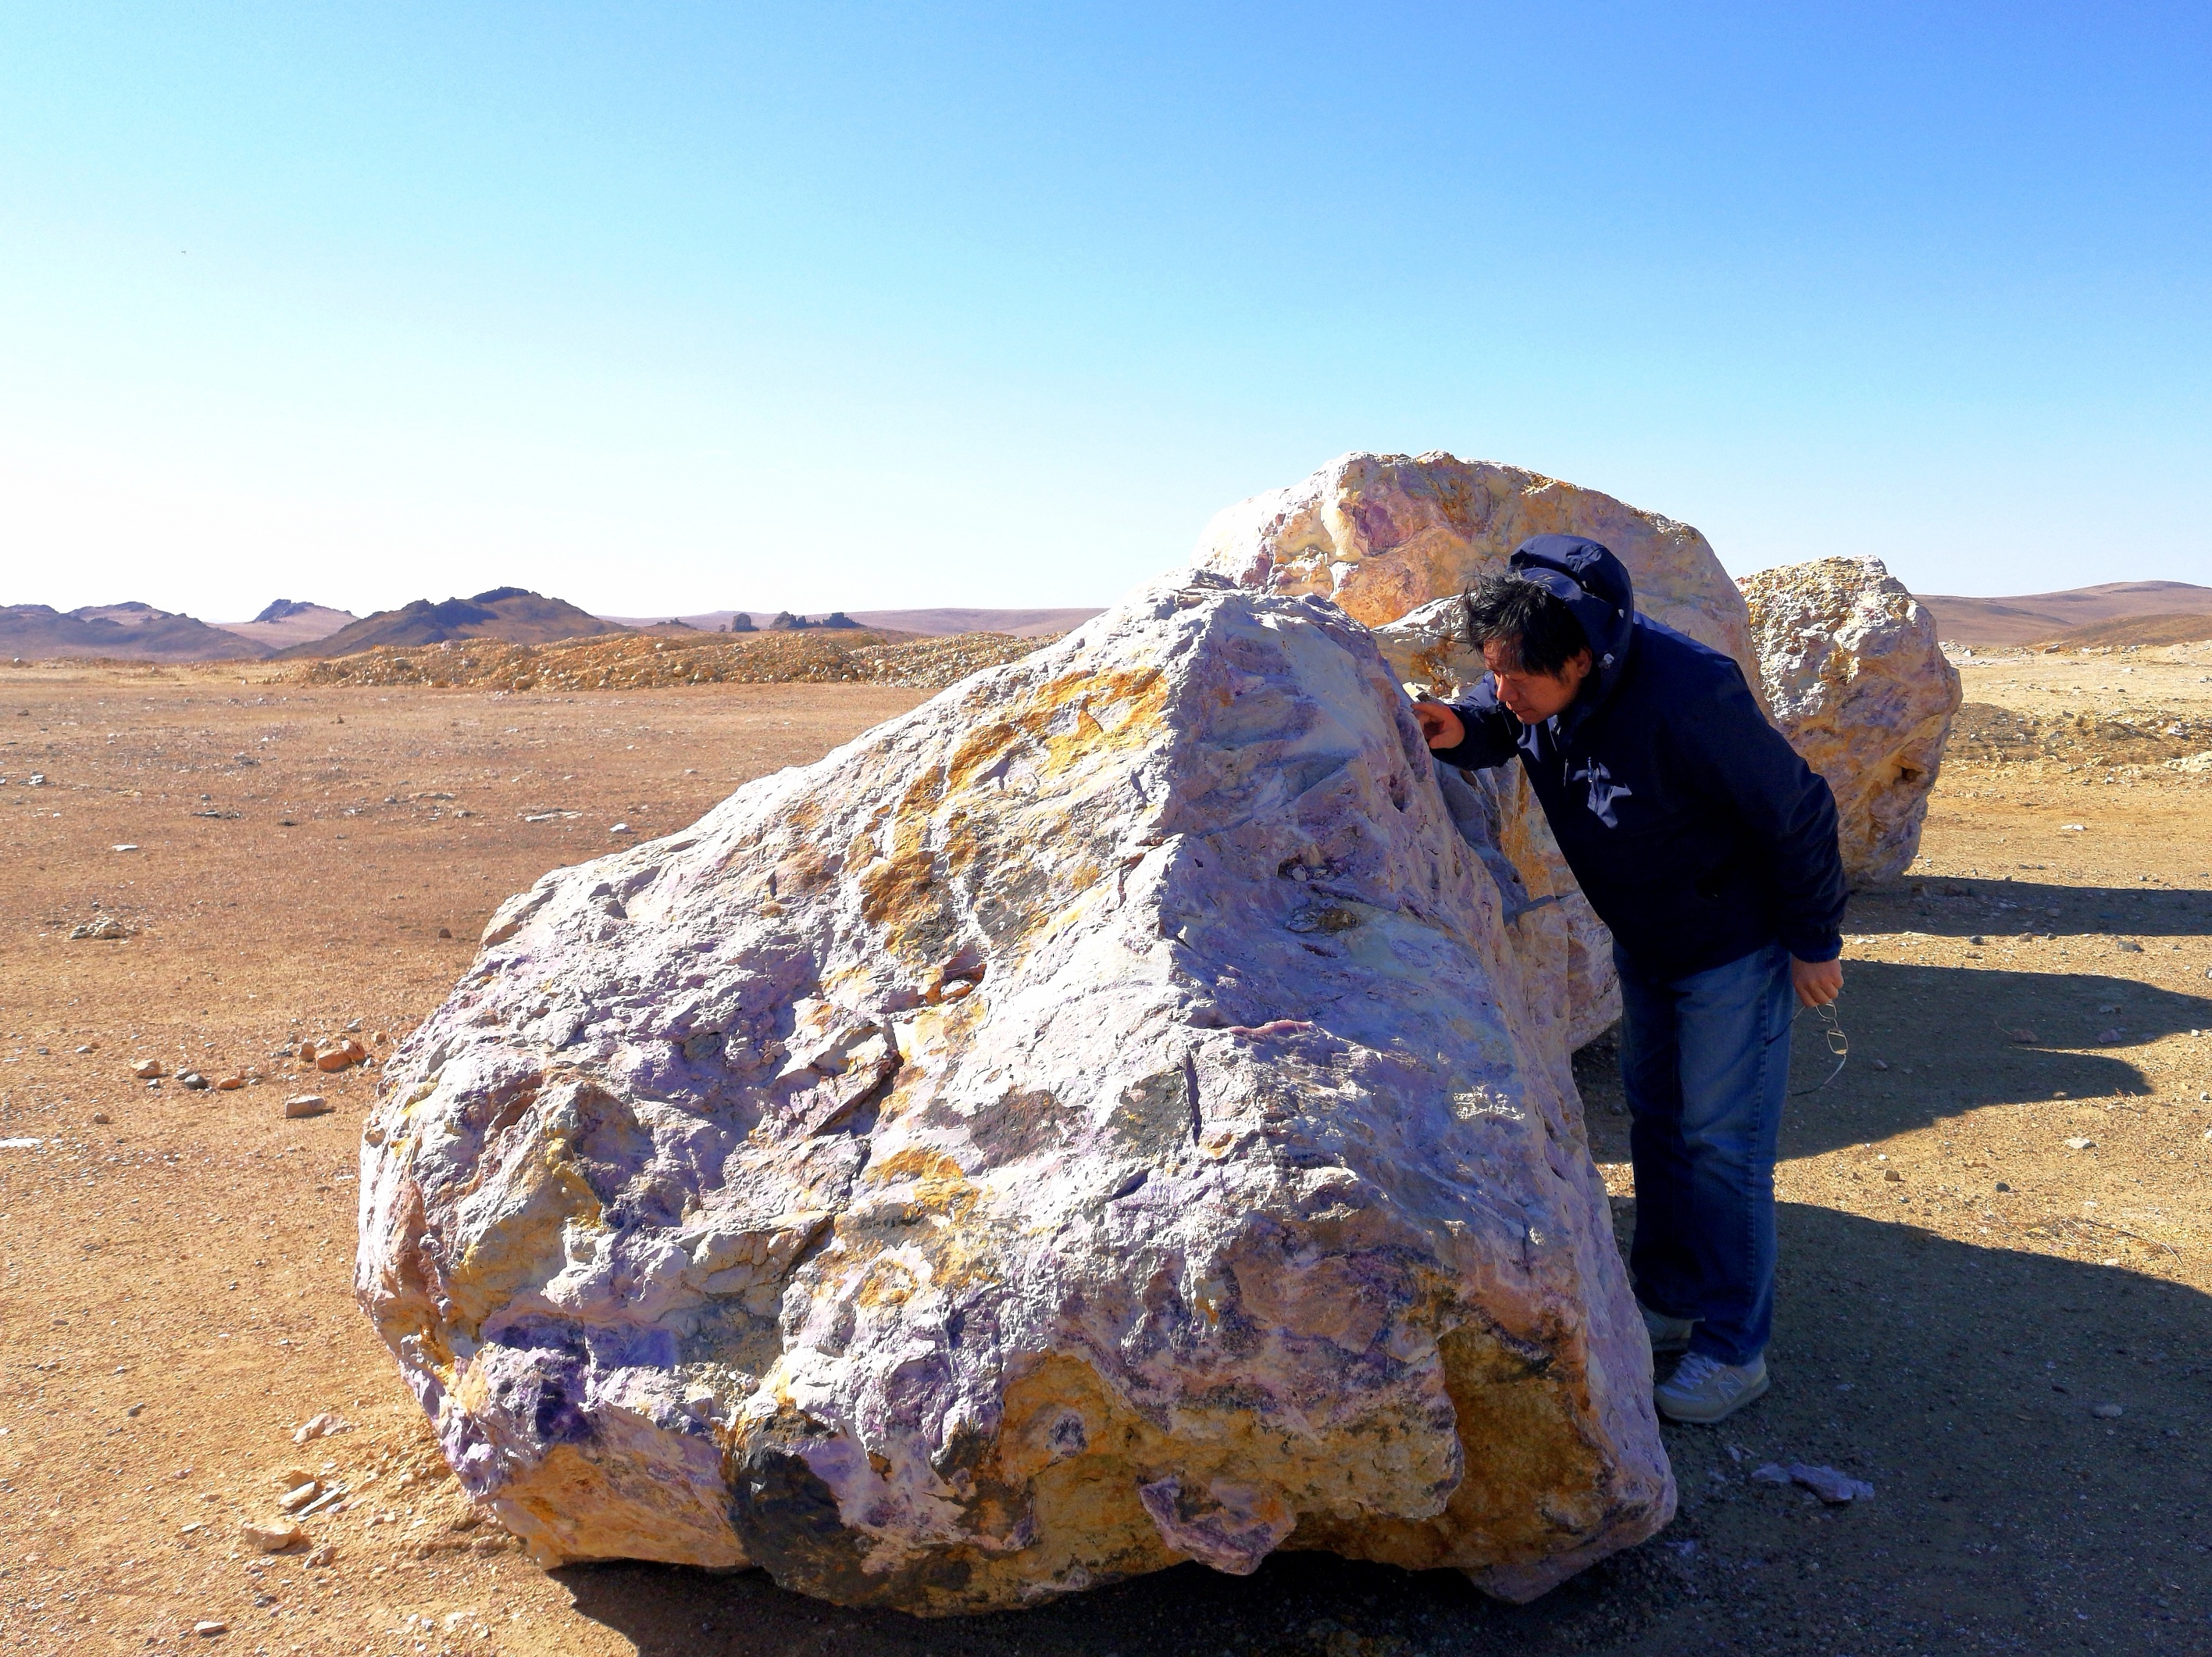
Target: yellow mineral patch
(525,1245)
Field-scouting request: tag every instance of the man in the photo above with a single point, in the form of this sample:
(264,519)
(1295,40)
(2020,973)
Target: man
(1710,847)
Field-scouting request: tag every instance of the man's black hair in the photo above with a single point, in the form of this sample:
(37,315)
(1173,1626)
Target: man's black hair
(1534,625)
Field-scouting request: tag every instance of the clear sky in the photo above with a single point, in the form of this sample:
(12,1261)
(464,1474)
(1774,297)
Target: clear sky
(673,307)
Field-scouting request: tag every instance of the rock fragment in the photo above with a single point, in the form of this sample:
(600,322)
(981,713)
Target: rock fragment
(305,1105)
(106,930)
(340,1056)
(274,1537)
(1832,1487)
(147,1068)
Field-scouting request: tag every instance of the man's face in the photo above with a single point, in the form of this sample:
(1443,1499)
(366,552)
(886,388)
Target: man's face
(1533,697)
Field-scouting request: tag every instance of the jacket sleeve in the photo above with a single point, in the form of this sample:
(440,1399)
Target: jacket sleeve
(1784,805)
(1491,731)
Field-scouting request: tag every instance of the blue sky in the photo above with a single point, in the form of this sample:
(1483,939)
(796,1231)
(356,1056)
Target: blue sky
(674,307)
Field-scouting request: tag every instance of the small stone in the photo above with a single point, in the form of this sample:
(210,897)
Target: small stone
(2107,1411)
(619,828)
(345,1053)
(323,1554)
(445,931)
(293,1500)
(2080,1144)
(2022,1035)
(2109,1035)
(106,930)
(1893,1176)
(147,1068)
(209,1628)
(1978,939)
(188,1530)
(231,1083)
(301,1104)
(134,1409)
(274,1537)
(1882,1065)
(353,1024)
(2003,1186)
(320,1426)
(99,1118)
(195,1081)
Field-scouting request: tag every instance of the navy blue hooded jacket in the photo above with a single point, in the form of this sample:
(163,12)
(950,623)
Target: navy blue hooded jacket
(1697,832)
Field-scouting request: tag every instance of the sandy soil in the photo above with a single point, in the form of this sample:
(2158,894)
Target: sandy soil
(1962,1289)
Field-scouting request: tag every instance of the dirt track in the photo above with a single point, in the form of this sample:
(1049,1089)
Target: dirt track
(1944,1333)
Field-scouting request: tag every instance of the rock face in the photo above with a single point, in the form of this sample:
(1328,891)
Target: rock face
(1565,951)
(1094,1121)
(1855,680)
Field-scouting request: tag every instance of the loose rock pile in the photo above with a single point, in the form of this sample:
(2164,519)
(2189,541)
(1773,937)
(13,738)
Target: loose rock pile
(633,661)
(1093,1121)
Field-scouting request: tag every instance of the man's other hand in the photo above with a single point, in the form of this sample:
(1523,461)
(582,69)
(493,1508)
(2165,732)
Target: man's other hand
(1817,983)
(1440,725)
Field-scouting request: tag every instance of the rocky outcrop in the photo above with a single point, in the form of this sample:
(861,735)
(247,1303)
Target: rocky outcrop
(1565,953)
(1093,1121)
(1853,676)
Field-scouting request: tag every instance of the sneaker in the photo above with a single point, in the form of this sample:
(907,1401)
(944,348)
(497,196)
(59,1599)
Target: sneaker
(1667,1334)
(1704,1390)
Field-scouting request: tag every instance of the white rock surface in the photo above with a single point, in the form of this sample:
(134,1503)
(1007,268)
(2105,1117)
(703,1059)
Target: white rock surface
(1855,680)
(1093,1121)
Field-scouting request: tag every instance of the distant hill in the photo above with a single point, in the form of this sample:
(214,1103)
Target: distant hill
(512,613)
(289,621)
(1022,624)
(135,632)
(2039,615)
(2182,629)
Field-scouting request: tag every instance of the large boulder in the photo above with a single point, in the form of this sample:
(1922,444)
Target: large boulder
(1385,535)
(1093,1121)
(1855,678)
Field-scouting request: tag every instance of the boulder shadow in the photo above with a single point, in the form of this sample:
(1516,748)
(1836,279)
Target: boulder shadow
(1963,1383)
(1962,906)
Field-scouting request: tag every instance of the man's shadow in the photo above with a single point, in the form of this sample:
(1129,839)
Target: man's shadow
(1947,1040)
(1961,1382)
(1963,905)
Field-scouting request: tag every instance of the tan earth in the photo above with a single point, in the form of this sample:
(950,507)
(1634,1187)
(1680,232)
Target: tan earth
(2008,1335)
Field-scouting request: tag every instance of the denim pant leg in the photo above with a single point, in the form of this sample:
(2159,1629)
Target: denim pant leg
(1705,1064)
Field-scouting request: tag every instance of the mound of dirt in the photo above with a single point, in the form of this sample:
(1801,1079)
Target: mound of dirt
(632,661)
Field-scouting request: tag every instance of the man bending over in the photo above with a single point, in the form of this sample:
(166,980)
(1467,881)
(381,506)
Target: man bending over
(1710,847)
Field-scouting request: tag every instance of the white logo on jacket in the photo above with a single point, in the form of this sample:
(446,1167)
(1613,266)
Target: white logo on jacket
(1603,791)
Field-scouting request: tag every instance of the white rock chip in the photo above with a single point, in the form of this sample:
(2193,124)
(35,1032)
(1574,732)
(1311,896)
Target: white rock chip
(1855,680)
(1093,1121)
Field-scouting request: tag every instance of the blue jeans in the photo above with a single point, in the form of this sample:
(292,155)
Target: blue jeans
(1706,1062)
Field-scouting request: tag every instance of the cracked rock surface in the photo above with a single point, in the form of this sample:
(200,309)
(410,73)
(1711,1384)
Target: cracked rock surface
(1093,1121)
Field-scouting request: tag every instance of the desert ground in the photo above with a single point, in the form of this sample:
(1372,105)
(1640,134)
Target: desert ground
(1995,1301)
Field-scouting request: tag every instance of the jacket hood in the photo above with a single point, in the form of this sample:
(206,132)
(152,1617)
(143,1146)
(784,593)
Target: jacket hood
(1594,584)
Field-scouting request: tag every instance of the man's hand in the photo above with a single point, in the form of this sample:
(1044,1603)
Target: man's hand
(1440,725)
(1817,983)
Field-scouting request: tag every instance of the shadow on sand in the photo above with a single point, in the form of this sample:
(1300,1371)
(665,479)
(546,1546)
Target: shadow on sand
(1959,1380)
